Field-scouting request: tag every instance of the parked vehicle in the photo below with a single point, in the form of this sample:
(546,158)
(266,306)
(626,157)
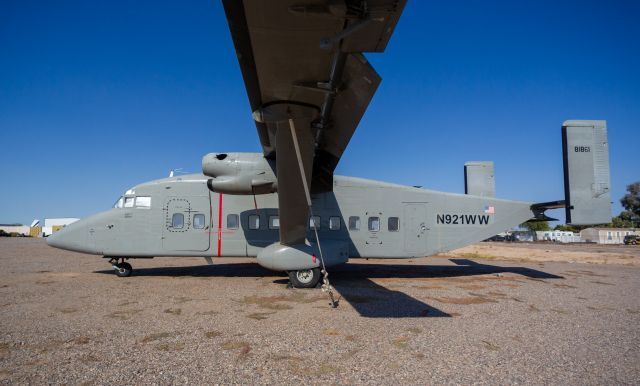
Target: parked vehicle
(632,240)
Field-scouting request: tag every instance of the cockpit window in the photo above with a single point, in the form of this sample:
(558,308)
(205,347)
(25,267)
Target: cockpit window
(119,203)
(128,202)
(143,202)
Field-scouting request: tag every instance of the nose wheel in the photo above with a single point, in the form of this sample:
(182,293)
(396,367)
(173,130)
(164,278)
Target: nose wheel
(122,269)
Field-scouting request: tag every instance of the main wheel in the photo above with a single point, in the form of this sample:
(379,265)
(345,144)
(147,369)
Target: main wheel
(124,269)
(305,278)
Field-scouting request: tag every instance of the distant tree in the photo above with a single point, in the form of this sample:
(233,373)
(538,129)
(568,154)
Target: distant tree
(631,200)
(566,228)
(536,226)
(624,220)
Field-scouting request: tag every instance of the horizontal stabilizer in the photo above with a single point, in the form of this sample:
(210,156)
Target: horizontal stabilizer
(540,208)
(479,179)
(586,172)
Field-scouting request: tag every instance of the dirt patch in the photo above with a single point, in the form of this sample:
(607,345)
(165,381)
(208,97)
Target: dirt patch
(89,359)
(466,300)
(173,311)
(584,272)
(429,286)
(268,302)
(563,285)
(278,302)
(4,349)
(490,345)
(122,315)
(601,308)
(472,287)
(236,344)
(299,367)
(207,313)
(330,332)
(158,336)
(543,252)
(401,342)
(260,315)
(176,346)
(81,340)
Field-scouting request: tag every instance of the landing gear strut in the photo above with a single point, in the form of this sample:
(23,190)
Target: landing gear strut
(122,269)
(305,278)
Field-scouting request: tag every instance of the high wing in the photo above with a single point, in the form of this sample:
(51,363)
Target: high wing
(308,85)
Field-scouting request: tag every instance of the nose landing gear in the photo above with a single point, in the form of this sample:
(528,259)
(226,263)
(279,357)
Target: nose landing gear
(122,269)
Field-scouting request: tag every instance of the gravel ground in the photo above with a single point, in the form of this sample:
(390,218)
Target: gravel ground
(67,319)
(543,252)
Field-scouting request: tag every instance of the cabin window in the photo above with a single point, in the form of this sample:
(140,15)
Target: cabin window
(198,221)
(128,202)
(177,221)
(143,202)
(119,203)
(354,223)
(314,222)
(374,224)
(232,221)
(393,224)
(254,221)
(274,222)
(334,223)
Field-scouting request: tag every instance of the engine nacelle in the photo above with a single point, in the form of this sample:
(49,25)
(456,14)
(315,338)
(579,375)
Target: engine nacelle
(239,173)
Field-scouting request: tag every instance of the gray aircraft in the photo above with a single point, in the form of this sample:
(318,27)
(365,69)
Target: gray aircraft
(309,85)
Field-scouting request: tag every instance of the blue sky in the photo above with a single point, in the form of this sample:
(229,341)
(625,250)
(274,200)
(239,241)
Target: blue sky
(98,96)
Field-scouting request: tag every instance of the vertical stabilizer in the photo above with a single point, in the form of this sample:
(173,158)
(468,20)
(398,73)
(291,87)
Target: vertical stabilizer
(586,172)
(479,179)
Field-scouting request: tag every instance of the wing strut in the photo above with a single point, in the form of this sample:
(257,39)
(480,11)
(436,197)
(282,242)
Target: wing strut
(326,286)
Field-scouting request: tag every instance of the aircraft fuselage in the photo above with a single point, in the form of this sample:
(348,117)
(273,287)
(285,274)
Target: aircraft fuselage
(180,216)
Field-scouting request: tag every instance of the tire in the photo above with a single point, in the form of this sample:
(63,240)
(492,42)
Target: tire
(305,278)
(124,270)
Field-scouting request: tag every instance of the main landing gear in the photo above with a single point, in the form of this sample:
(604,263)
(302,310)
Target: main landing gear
(305,278)
(122,269)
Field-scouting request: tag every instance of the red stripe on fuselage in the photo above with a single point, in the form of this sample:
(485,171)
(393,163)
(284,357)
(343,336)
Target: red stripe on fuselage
(220,225)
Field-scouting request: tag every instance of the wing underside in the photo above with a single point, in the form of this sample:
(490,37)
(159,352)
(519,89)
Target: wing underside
(303,60)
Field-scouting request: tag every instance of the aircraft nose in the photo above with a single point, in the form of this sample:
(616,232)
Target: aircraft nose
(67,238)
(58,240)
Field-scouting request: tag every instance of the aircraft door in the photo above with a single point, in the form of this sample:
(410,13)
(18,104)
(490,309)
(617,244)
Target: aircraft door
(187,223)
(415,228)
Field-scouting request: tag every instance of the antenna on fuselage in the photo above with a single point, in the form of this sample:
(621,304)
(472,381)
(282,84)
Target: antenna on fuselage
(172,172)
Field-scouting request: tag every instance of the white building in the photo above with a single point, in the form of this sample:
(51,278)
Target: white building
(558,236)
(607,235)
(15,228)
(53,224)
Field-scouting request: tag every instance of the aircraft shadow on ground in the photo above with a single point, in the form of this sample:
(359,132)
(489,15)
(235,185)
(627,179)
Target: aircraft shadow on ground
(354,285)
